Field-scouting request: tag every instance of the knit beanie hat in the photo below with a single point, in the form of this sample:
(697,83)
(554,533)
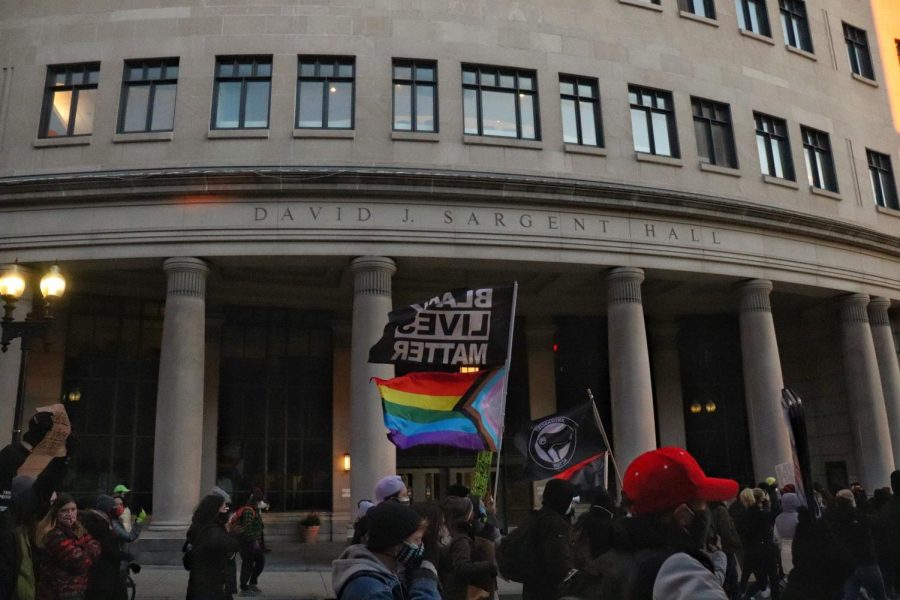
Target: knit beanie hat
(217,491)
(387,487)
(456,509)
(558,494)
(105,504)
(390,523)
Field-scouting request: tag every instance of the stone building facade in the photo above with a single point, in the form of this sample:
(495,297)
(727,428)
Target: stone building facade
(695,196)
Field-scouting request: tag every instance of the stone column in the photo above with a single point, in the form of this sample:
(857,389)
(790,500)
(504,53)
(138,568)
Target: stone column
(769,436)
(667,374)
(210,460)
(372,455)
(888,367)
(868,415)
(634,429)
(10,366)
(178,447)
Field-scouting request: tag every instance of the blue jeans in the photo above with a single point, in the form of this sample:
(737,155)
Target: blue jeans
(868,577)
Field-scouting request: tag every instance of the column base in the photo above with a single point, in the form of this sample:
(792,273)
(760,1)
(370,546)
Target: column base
(168,526)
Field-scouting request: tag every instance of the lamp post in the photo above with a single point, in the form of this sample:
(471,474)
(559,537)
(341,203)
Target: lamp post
(34,326)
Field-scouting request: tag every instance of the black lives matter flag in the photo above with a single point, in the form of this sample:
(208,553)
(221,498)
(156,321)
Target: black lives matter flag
(466,327)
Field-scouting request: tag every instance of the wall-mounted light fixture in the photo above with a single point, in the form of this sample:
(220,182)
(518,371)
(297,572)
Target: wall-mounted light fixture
(346,462)
(696,409)
(74,395)
(711,407)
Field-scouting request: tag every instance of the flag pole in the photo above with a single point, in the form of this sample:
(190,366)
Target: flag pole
(612,457)
(509,346)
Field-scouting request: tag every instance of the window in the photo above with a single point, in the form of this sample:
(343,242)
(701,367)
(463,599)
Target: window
(415,95)
(325,92)
(882,180)
(148,95)
(653,121)
(715,139)
(773,146)
(752,16)
(701,8)
(819,162)
(69,98)
(500,102)
(795,24)
(580,102)
(242,90)
(858,50)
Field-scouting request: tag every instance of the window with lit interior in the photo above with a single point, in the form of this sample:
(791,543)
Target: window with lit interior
(70,95)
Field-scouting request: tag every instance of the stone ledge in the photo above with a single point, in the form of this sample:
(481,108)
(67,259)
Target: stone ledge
(642,4)
(801,52)
(329,134)
(57,142)
(788,183)
(892,212)
(415,136)
(730,171)
(583,149)
(865,80)
(485,140)
(143,136)
(756,36)
(684,14)
(236,134)
(670,161)
(825,193)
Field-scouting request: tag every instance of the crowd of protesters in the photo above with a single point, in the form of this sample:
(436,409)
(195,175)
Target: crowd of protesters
(677,534)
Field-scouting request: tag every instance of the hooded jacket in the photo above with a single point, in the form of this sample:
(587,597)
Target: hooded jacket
(358,575)
(786,522)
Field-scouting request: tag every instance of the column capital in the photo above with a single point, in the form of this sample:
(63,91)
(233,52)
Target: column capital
(186,276)
(372,275)
(878,311)
(624,285)
(753,295)
(853,308)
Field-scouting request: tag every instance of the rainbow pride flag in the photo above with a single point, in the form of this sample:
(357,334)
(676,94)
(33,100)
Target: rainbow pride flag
(464,410)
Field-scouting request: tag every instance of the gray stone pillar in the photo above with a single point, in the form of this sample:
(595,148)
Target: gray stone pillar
(210,461)
(868,415)
(178,447)
(769,436)
(667,370)
(634,429)
(888,368)
(372,455)
(10,364)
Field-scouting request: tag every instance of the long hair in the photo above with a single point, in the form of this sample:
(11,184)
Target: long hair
(44,526)
(208,510)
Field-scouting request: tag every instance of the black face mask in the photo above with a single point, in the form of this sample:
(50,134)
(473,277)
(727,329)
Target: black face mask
(222,518)
(700,527)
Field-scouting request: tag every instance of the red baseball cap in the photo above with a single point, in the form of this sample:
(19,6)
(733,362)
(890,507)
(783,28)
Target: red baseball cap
(662,479)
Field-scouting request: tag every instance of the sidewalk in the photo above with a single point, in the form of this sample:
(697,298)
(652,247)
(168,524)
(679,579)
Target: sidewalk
(293,572)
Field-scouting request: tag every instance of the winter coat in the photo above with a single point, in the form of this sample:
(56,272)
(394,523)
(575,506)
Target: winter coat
(821,563)
(66,564)
(853,532)
(458,570)
(723,526)
(652,560)
(756,529)
(786,522)
(211,566)
(592,535)
(553,554)
(358,575)
(108,573)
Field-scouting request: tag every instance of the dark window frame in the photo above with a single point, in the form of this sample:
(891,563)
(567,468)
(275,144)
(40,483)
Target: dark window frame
(318,60)
(593,82)
(794,21)
(649,111)
(765,28)
(881,175)
(816,147)
(516,90)
(709,8)
(720,118)
(414,83)
(774,131)
(146,64)
(85,70)
(858,52)
(256,60)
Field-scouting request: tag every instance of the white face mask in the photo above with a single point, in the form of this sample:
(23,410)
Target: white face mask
(571,509)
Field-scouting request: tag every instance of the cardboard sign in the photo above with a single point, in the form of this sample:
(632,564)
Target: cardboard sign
(53,444)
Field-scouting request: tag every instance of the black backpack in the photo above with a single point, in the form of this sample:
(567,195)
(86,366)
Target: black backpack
(517,554)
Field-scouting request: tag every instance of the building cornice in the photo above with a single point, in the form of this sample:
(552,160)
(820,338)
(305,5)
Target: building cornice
(352,182)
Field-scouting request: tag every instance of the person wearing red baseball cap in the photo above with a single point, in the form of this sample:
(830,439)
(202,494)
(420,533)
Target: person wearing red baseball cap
(664,552)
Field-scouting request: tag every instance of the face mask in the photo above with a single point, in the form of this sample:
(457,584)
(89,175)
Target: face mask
(410,556)
(699,528)
(120,510)
(222,518)
(571,509)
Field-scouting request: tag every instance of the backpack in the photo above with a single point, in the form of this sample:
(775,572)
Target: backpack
(516,553)
(188,548)
(236,516)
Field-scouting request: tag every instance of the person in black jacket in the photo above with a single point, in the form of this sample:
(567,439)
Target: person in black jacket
(210,547)
(108,574)
(853,531)
(553,549)
(821,563)
(761,556)
(13,456)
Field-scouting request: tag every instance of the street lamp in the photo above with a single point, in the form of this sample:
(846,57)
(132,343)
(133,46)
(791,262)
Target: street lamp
(34,326)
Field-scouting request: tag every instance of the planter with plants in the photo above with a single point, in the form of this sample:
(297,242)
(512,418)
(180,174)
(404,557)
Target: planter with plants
(309,528)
